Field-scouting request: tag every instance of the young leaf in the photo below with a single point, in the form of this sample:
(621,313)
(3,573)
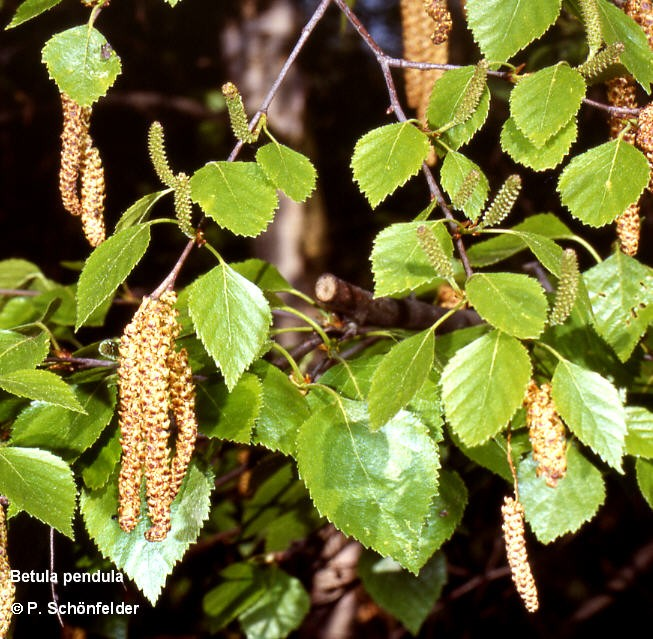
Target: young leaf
(39,483)
(400,375)
(148,564)
(644,471)
(237,195)
(483,385)
(511,302)
(385,158)
(283,411)
(637,57)
(407,597)
(30,9)
(399,263)
(375,486)
(61,431)
(590,406)
(548,156)
(40,385)
(268,603)
(543,103)
(231,317)
(22,351)
(592,185)
(448,93)
(139,211)
(621,292)
(288,170)
(455,169)
(553,512)
(639,438)
(503,27)
(229,415)
(107,267)
(77,62)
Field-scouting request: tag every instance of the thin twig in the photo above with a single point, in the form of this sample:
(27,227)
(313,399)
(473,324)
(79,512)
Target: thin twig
(82,362)
(53,590)
(18,292)
(612,110)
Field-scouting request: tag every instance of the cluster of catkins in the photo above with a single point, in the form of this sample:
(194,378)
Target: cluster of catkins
(81,176)
(622,92)
(7,588)
(155,383)
(425,29)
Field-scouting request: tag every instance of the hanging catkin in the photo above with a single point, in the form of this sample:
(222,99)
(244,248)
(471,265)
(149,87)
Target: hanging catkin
(546,433)
(421,21)
(154,381)
(7,588)
(512,513)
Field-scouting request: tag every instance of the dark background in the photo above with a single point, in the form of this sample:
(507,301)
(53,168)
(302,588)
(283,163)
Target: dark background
(596,580)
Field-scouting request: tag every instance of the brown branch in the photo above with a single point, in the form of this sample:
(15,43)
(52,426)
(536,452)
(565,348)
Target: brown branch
(359,305)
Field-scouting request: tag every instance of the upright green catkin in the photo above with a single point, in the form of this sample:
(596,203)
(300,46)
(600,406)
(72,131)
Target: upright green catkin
(472,95)
(184,204)
(464,192)
(434,251)
(503,202)
(592,19)
(567,287)
(157,149)
(593,67)
(238,116)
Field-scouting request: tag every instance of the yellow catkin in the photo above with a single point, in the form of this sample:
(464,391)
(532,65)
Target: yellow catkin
(155,382)
(92,192)
(417,30)
(546,433)
(641,11)
(76,121)
(644,137)
(629,229)
(182,406)
(512,513)
(7,588)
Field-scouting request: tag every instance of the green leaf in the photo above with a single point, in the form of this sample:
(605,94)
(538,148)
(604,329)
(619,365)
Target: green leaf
(444,517)
(22,351)
(375,486)
(511,302)
(543,103)
(148,563)
(139,211)
(637,57)
(644,472)
(268,602)
(15,273)
(39,483)
(288,170)
(100,462)
(407,597)
(483,385)
(107,267)
(30,9)
(401,373)
(503,27)
(265,275)
(548,156)
(621,293)
(385,158)
(601,183)
(237,195)
(448,93)
(591,408)
(284,410)
(229,415)
(231,317)
(639,438)
(41,385)
(81,63)
(399,263)
(506,245)
(61,431)
(455,169)
(552,512)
